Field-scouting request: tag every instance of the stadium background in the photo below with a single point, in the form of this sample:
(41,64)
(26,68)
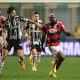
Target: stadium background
(68,13)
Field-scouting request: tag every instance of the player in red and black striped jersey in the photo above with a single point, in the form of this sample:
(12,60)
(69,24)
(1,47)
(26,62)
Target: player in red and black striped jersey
(2,18)
(53,31)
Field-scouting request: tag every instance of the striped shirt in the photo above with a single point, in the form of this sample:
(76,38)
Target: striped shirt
(13,27)
(2,18)
(35,33)
(53,33)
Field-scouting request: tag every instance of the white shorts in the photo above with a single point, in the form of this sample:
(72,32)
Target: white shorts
(1,41)
(55,49)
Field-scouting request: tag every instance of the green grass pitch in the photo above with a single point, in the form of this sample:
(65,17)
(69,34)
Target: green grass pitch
(69,70)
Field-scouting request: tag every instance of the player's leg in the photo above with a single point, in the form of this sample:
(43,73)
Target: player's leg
(38,57)
(18,47)
(53,64)
(20,53)
(33,57)
(5,51)
(4,55)
(36,60)
(58,59)
(39,49)
(56,64)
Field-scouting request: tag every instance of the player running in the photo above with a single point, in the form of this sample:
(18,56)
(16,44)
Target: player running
(35,42)
(53,31)
(13,38)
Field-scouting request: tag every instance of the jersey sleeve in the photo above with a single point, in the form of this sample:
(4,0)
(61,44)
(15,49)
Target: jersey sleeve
(23,19)
(62,27)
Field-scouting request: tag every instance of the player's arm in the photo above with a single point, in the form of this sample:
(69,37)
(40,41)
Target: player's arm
(39,25)
(23,19)
(65,31)
(44,37)
(25,31)
(43,42)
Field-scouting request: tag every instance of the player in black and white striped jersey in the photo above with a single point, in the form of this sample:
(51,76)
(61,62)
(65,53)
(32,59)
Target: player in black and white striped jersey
(35,42)
(13,38)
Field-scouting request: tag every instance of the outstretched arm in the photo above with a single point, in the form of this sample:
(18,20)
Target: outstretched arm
(39,25)
(69,34)
(43,42)
(25,33)
(65,31)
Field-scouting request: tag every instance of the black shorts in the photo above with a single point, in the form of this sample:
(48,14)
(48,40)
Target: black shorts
(37,47)
(16,43)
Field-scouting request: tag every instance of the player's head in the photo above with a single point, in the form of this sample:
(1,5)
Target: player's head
(11,12)
(52,18)
(35,16)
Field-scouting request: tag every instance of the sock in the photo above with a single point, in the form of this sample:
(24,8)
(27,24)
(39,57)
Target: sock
(36,59)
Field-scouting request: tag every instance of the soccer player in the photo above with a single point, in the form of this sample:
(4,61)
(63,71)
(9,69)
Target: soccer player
(13,38)
(2,18)
(35,42)
(53,31)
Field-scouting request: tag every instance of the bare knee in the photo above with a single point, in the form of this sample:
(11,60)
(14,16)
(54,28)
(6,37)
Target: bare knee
(20,53)
(60,56)
(4,53)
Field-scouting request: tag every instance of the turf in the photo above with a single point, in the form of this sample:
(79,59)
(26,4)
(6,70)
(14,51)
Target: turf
(69,70)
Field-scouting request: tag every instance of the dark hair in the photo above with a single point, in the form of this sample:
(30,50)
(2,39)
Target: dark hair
(35,12)
(51,14)
(10,9)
